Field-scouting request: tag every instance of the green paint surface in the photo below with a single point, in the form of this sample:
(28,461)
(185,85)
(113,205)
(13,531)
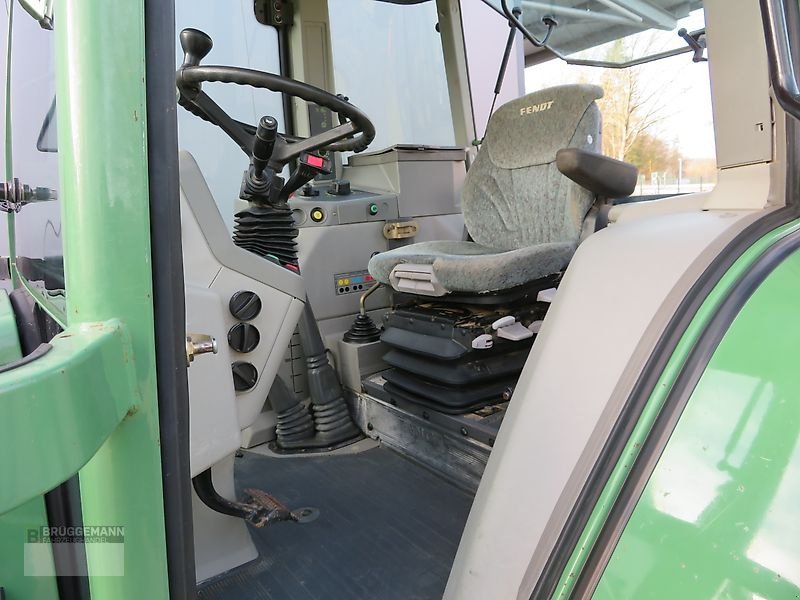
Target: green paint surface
(620,472)
(14,524)
(93,396)
(718,517)
(14,527)
(57,410)
(102,133)
(9,338)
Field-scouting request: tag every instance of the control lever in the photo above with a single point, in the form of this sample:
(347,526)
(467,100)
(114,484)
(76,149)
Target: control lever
(259,179)
(264,143)
(196,46)
(308,167)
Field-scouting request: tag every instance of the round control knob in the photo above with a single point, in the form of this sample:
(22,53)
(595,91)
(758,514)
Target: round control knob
(243,337)
(245,376)
(245,305)
(309,191)
(341,188)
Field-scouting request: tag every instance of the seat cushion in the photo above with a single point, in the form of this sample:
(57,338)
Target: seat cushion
(469,267)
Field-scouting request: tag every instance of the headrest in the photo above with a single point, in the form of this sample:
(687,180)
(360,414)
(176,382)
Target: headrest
(530,130)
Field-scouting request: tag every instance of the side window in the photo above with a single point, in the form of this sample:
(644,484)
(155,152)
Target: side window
(239,41)
(33,159)
(718,516)
(656,115)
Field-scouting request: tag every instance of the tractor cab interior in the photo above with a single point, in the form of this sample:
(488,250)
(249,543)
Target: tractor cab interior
(374,305)
(446,267)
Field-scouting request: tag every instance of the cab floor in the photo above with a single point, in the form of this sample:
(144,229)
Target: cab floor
(387,529)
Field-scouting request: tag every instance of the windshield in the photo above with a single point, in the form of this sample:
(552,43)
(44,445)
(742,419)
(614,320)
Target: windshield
(240,40)
(400,82)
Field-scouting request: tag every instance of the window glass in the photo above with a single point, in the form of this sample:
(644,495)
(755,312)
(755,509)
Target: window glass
(582,31)
(717,517)
(38,239)
(387,58)
(656,115)
(239,41)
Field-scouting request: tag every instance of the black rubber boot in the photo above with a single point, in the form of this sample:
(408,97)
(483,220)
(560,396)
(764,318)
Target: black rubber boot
(329,424)
(331,418)
(295,424)
(362,331)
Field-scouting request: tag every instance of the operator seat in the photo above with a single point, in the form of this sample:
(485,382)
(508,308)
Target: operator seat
(524,215)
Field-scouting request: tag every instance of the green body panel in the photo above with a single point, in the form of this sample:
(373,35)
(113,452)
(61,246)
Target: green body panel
(100,82)
(620,472)
(15,524)
(14,528)
(9,340)
(57,410)
(718,517)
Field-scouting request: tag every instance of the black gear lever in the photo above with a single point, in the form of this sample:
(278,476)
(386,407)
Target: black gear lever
(259,179)
(196,46)
(264,143)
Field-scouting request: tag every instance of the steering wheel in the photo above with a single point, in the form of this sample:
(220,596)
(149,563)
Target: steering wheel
(355,131)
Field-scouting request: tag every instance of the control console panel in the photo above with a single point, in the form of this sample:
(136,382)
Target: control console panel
(341,228)
(339,204)
(355,282)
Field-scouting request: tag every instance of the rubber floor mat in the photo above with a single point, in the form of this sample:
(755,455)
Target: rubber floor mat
(387,529)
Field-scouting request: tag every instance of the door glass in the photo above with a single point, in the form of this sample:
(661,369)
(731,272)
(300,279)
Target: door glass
(718,516)
(239,41)
(37,225)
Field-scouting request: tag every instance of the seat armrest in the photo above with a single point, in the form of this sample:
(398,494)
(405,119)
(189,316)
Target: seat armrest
(600,174)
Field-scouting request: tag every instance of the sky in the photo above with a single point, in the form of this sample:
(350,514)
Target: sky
(682,87)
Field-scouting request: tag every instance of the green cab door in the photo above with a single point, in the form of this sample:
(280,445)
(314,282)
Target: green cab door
(709,507)
(80,408)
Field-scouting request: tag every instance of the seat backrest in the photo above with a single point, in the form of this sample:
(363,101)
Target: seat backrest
(514,196)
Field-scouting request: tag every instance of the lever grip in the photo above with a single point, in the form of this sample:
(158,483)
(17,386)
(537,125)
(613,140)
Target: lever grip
(264,143)
(196,46)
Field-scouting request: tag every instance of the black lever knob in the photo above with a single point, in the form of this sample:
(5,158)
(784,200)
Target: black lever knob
(196,45)
(264,143)
(245,376)
(341,187)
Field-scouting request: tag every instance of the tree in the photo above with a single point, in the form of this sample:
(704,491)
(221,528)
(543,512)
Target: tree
(629,108)
(653,155)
